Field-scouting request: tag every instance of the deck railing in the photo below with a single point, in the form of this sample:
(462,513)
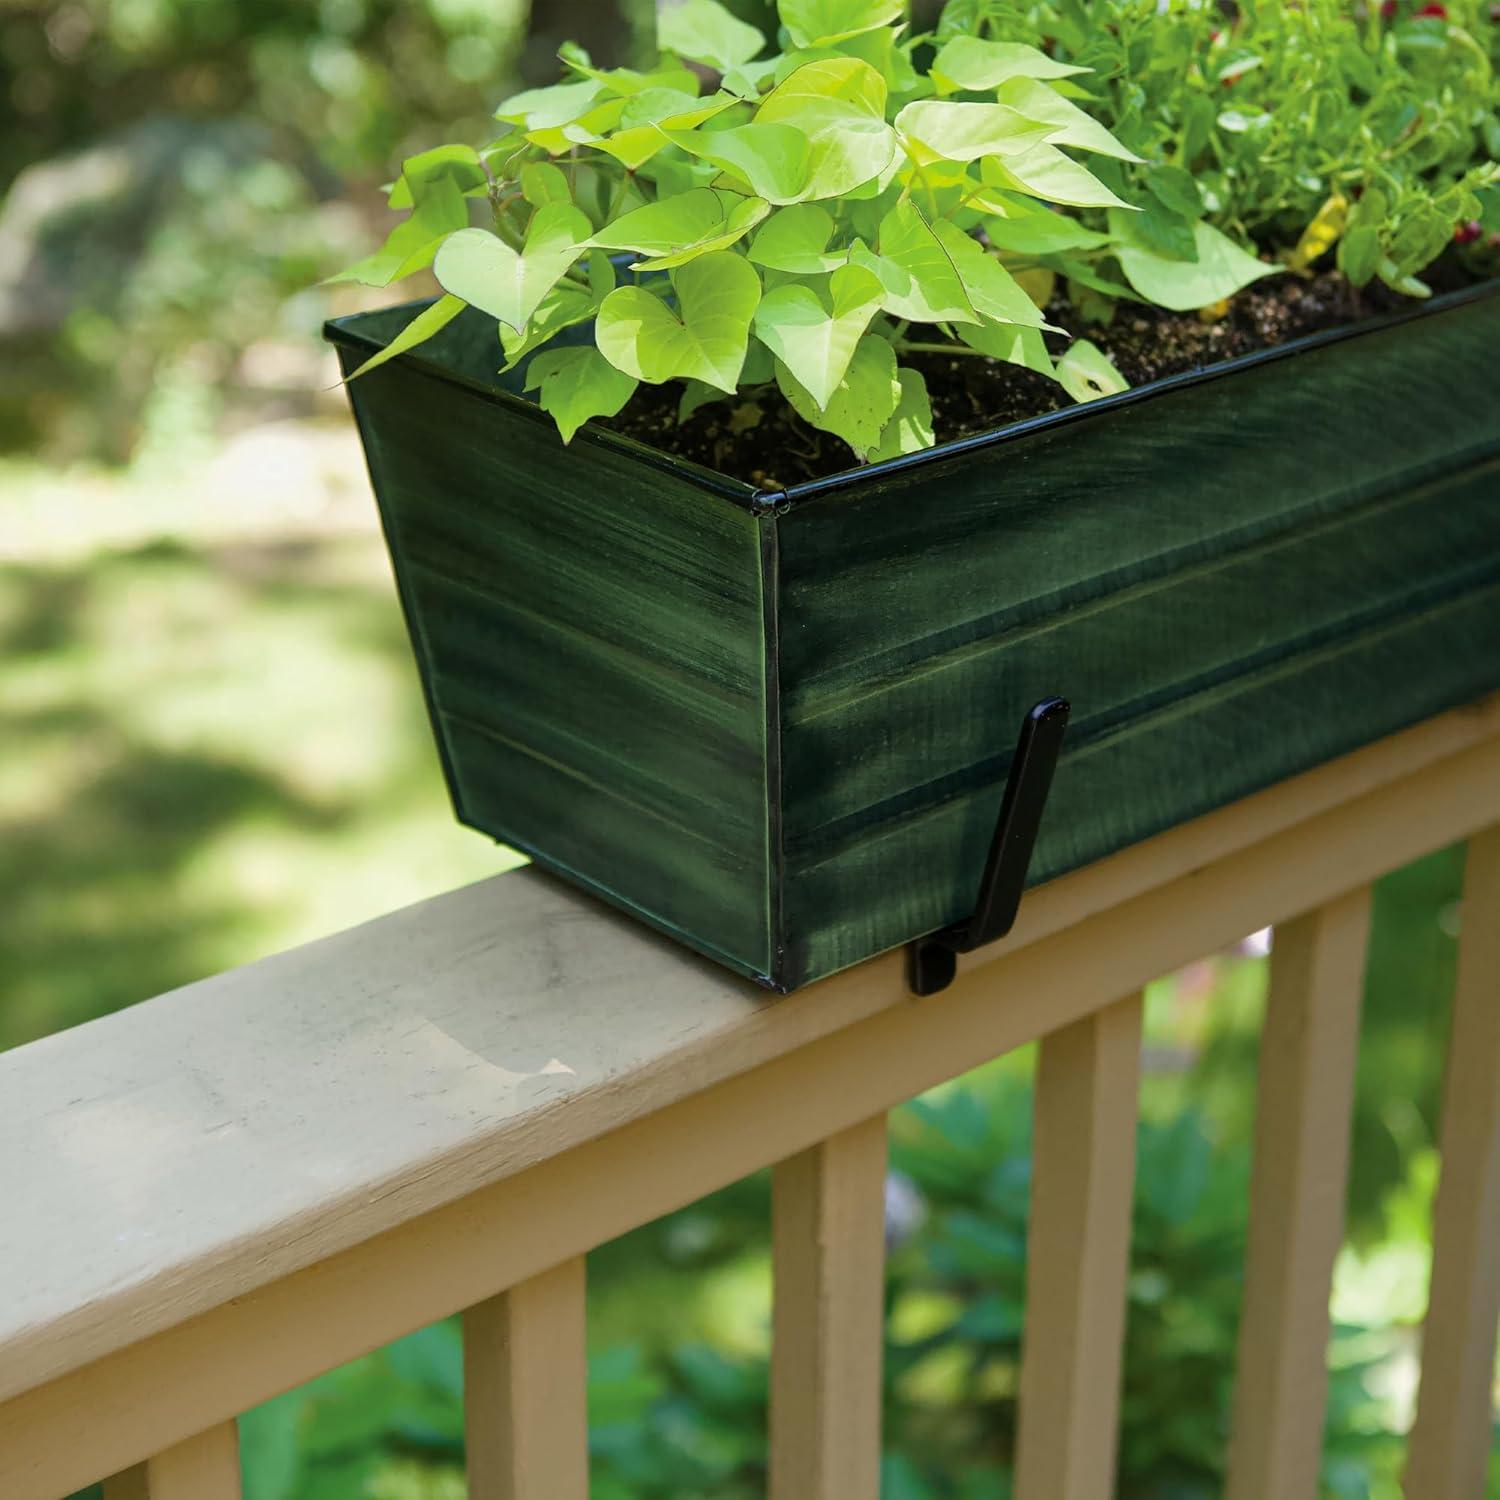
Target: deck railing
(222,1192)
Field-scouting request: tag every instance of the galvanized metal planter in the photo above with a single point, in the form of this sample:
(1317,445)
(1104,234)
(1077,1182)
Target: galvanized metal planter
(777,725)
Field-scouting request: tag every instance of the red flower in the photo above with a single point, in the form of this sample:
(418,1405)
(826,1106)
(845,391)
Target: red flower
(1466,234)
(1440,11)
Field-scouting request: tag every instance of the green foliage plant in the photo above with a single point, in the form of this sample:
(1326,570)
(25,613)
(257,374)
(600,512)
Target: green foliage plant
(794,223)
(1319,132)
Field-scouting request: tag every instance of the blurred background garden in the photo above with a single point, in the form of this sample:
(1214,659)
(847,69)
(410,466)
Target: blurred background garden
(214,747)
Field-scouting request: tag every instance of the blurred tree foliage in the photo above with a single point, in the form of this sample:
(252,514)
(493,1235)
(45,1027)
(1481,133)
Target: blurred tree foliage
(175,175)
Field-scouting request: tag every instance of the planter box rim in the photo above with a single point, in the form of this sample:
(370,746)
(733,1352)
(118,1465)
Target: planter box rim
(348,331)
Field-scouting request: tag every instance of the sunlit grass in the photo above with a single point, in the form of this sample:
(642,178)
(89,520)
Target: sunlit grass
(215,743)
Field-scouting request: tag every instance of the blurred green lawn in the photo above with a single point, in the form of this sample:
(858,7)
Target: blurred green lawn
(214,742)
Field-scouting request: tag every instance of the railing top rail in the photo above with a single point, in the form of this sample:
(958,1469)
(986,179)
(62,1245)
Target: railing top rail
(165,1160)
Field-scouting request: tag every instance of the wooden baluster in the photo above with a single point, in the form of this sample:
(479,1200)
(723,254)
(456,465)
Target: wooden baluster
(829,1263)
(1450,1439)
(526,1390)
(205,1467)
(1078,1255)
(1304,1106)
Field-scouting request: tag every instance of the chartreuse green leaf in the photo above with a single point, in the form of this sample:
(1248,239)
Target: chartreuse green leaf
(628,80)
(909,427)
(706,32)
(565,306)
(705,338)
(1008,341)
(440,211)
(838,103)
(1045,172)
(509,285)
(967,62)
(921,282)
(863,402)
(645,118)
(795,239)
(558,104)
(991,289)
(941,130)
(421,328)
(1087,372)
(563,115)
(1070,125)
(576,384)
(822,23)
(814,333)
(461,163)
(772,161)
(1026,227)
(542,183)
(1220,270)
(677,229)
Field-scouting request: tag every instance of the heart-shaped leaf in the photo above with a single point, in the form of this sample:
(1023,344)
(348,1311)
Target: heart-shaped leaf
(1071,126)
(990,287)
(704,339)
(558,104)
(645,119)
(863,402)
(565,306)
(1045,172)
(461,163)
(488,274)
(421,328)
(674,230)
(815,334)
(1220,270)
(822,23)
(1012,343)
(1086,372)
(909,427)
(576,384)
(795,239)
(706,32)
(1027,227)
(838,103)
(921,282)
(967,62)
(940,130)
(772,161)
(439,212)
(629,80)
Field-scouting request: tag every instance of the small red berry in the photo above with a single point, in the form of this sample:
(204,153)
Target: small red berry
(1440,11)
(1388,10)
(1466,234)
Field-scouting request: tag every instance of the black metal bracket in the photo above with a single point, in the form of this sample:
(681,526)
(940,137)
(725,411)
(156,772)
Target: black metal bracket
(932,961)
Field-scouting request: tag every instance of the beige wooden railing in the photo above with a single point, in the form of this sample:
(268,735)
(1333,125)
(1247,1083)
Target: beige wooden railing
(220,1193)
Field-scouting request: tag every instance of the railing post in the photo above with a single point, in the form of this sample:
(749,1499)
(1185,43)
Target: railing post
(526,1390)
(1078,1255)
(1450,1439)
(1305,1099)
(828,1215)
(205,1467)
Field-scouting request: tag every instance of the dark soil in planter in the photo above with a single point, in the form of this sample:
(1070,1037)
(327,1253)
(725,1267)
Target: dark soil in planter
(769,445)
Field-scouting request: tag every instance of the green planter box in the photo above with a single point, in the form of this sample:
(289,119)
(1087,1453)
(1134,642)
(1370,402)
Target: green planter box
(777,725)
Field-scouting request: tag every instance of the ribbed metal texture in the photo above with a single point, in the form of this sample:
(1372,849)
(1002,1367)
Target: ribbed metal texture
(780,730)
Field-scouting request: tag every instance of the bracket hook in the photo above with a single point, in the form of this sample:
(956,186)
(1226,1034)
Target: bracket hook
(932,961)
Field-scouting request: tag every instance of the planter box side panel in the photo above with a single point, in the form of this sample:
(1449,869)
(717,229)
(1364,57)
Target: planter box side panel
(1232,581)
(1183,762)
(590,634)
